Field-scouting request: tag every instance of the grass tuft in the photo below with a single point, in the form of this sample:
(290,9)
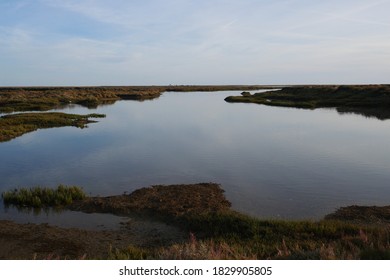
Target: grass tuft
(43,197)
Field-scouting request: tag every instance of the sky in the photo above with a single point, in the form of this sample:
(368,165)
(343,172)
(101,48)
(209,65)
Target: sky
(162,42)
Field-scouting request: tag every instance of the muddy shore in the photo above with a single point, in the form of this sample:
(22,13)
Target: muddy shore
(155,208)
(196,222)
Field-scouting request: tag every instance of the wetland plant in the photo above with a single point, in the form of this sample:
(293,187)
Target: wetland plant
(43,197)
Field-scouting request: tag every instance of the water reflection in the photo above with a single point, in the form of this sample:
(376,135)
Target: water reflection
(378,113)
(62,217)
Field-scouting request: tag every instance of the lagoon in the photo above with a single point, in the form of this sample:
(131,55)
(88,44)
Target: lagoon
(272,162)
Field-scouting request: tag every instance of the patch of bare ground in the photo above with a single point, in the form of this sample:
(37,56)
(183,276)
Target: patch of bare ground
(167,201)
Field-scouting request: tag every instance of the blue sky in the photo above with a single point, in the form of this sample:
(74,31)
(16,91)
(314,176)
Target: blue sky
(145,42)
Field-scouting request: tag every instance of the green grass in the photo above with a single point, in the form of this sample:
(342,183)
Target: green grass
(236,236)
(15,125)
(43,197)
(217,232)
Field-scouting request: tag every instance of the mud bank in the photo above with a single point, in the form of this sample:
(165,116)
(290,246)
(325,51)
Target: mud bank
(196,222)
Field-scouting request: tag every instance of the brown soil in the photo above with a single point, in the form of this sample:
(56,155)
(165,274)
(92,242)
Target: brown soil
(156,220)
(144,207)
(168,201)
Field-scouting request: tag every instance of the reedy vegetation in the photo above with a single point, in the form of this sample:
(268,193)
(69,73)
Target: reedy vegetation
(236,236)
(43,197)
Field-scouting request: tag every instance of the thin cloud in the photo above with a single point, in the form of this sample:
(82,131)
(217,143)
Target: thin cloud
(188,41)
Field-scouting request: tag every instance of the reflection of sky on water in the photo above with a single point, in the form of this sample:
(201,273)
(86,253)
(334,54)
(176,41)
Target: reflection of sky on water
(271,161)
(67,219)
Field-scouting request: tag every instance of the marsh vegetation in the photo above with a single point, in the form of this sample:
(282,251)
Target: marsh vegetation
(13,99)
(217,232)
(370,100)
(15,125)
(43,197)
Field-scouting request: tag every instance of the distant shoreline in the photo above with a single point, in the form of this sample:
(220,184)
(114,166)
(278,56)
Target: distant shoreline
(13,99)
(367,100)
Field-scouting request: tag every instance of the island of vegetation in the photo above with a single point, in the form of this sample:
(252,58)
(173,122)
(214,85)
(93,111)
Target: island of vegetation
(15,125)
(203,227)
(368,100)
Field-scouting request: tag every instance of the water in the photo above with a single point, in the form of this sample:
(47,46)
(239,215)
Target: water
(273,162)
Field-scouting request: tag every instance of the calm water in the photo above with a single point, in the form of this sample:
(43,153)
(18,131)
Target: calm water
(272,162)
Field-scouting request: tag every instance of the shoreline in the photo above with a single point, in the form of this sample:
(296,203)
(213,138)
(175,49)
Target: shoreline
(13,99)
(192,222)
(366,100)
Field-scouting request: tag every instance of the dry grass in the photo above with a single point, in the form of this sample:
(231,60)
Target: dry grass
(217,232)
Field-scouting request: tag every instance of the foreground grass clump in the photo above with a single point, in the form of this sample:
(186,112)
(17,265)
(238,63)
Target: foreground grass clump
(246,237)
(43,197)
(15,125)
(243,237)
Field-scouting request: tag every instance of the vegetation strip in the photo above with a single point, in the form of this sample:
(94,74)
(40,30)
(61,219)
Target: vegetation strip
(369,100)
(15,125)
(217,232)
(13,99)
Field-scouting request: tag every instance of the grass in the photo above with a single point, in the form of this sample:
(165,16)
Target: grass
(370,100)
(232,235)
(236,236)
(217,232)
(43,197)
(13,99)
(15,125)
